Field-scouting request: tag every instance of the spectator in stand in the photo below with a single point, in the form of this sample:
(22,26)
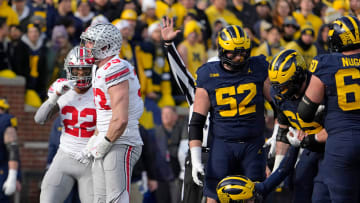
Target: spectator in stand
(305,16)
(19,53)
(148,16)
(22,10)
(59,48)
(281,11)
(8,13)
(191,50)
(290,27)
(57,16)
(245,12)
(84,12)
(4,55)
(37,58)
(322,43)
(168,137)
(218,11)
(272,45)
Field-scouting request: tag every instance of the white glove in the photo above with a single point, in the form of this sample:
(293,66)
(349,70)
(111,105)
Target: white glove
(272,141)
(294,141)
(63,86)
(197,166)
(84,156)
(100,147)
(9,186)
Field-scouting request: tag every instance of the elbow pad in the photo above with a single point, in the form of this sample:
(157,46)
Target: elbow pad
(196,126)
(13,151)
(307,109)
(281,136)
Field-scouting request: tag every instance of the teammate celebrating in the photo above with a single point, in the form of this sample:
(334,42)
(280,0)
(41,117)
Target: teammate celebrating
(73,99)
(335,81)
(289,78)
(116,89)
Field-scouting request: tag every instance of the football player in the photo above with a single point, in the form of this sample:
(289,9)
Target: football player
(241,189)
(289,78)
(73,99)
(9,153)
(117,147)
(336,82)
(232,90)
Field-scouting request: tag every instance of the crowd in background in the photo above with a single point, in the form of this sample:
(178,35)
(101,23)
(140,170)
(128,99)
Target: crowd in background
(36,35)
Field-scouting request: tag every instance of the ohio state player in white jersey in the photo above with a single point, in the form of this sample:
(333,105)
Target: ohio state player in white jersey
(116,89)
(113,72)
(73,99)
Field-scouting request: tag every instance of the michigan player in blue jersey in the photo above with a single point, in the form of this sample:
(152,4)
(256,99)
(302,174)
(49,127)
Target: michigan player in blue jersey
(232,91)
(289,78)
(241,189)
(336,82)
(9,153)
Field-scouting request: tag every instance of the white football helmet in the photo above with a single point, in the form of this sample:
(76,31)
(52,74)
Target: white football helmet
(106,40)
(76,60)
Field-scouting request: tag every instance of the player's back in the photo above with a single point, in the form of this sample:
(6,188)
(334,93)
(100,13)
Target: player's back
(341,77)
(237,100)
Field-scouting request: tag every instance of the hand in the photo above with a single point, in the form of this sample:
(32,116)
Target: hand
(272,142)
(197,166)
(9,186)
(84,156)
(98,147)
(167,29)
(63,86)
(292,136)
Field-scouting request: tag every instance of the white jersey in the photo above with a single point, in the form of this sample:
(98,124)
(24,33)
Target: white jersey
(78,118)
(112,73)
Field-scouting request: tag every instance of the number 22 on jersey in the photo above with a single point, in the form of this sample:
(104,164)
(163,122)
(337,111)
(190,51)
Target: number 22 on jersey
(82,130)
(236,108)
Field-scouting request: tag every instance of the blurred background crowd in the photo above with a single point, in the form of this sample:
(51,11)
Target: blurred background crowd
(36,35)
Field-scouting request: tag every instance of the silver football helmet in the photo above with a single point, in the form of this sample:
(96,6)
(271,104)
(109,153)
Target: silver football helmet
(106,40)
(76,60)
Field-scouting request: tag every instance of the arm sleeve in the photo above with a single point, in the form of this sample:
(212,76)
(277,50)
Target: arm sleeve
(44,113)
(183,78)
(286,166)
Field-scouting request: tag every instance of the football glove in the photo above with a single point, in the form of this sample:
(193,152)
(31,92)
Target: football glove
(84,156)
(63,86)
(294,141)
(197,166)
(9,186)
(99,147)
(272,141)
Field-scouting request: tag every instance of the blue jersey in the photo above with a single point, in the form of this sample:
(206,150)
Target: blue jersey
(236,99)
(288,109)
(341,77)
(6,120)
